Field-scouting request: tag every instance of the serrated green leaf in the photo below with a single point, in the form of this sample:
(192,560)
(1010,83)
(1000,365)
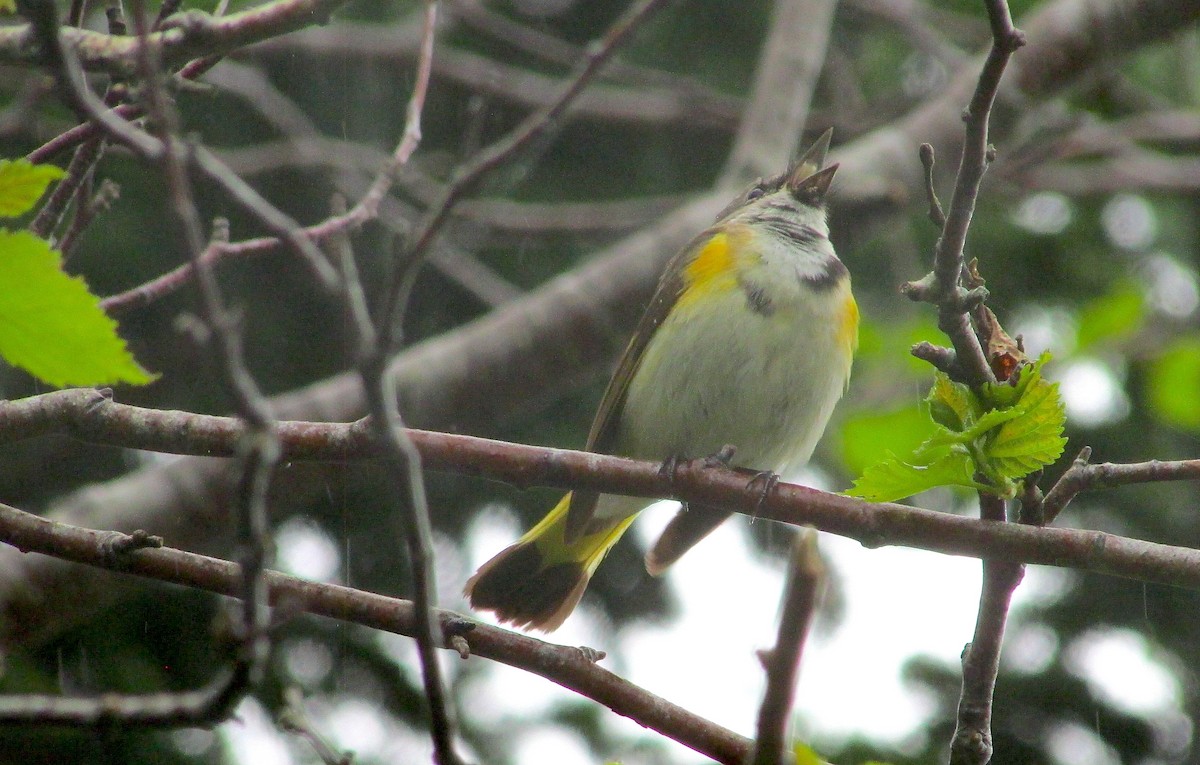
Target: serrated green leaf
(1002,395)
(1007,432)
(893,479)
(991,420)
(1033,440)
(951,404)
(51,325)
(22,185)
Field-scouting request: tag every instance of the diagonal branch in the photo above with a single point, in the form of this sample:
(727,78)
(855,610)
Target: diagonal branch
(784,83)
(572,668)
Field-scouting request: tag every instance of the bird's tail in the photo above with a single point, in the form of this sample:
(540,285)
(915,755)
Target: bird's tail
(537,581)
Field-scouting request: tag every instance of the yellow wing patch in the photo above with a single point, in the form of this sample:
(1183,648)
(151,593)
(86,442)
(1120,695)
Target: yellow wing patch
(713,269)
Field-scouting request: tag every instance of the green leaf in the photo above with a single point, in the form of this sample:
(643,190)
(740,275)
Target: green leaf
(951,404)
(1032,440)
(868,437)
(1174,380)
(893,479)
(51,326)
(22,185)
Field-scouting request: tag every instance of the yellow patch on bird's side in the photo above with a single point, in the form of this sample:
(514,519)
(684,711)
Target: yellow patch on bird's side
(711,270)
(847,328)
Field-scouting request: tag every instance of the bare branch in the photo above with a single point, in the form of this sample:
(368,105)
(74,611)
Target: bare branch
(571,667)
(91,416)
(943,285)
(78,172)
(972,741)
(292,718)
(806,575)
(186,36)
(87,210)
(671,102)
(412,120)
(1081,477)
(405,471)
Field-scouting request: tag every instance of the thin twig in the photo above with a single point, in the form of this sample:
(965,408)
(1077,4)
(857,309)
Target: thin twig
(942,286)
(468,177)
(78,171)
(368,205)
(404,467)
(293,719)
(86,211)
(416,102)
(1082,476)
(935,205)
(402,458)
(806,574)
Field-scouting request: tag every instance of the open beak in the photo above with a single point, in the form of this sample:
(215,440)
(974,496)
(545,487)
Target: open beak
(808,178)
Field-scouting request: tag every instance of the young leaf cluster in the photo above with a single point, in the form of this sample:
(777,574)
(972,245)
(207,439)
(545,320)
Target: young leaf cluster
(986,440)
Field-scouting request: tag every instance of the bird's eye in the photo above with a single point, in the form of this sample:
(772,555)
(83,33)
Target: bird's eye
(755,193)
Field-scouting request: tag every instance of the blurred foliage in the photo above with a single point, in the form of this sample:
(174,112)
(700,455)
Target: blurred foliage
(1098,277)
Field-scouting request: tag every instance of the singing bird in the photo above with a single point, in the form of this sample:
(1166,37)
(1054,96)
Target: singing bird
(747,341)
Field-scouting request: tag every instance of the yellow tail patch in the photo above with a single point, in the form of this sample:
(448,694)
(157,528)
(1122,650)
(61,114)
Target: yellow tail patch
(537,581)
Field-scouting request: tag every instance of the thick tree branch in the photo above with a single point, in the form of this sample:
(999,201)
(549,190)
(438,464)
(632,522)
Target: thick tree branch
(871,524)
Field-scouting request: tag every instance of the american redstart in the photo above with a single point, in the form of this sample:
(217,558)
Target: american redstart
(747,341)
